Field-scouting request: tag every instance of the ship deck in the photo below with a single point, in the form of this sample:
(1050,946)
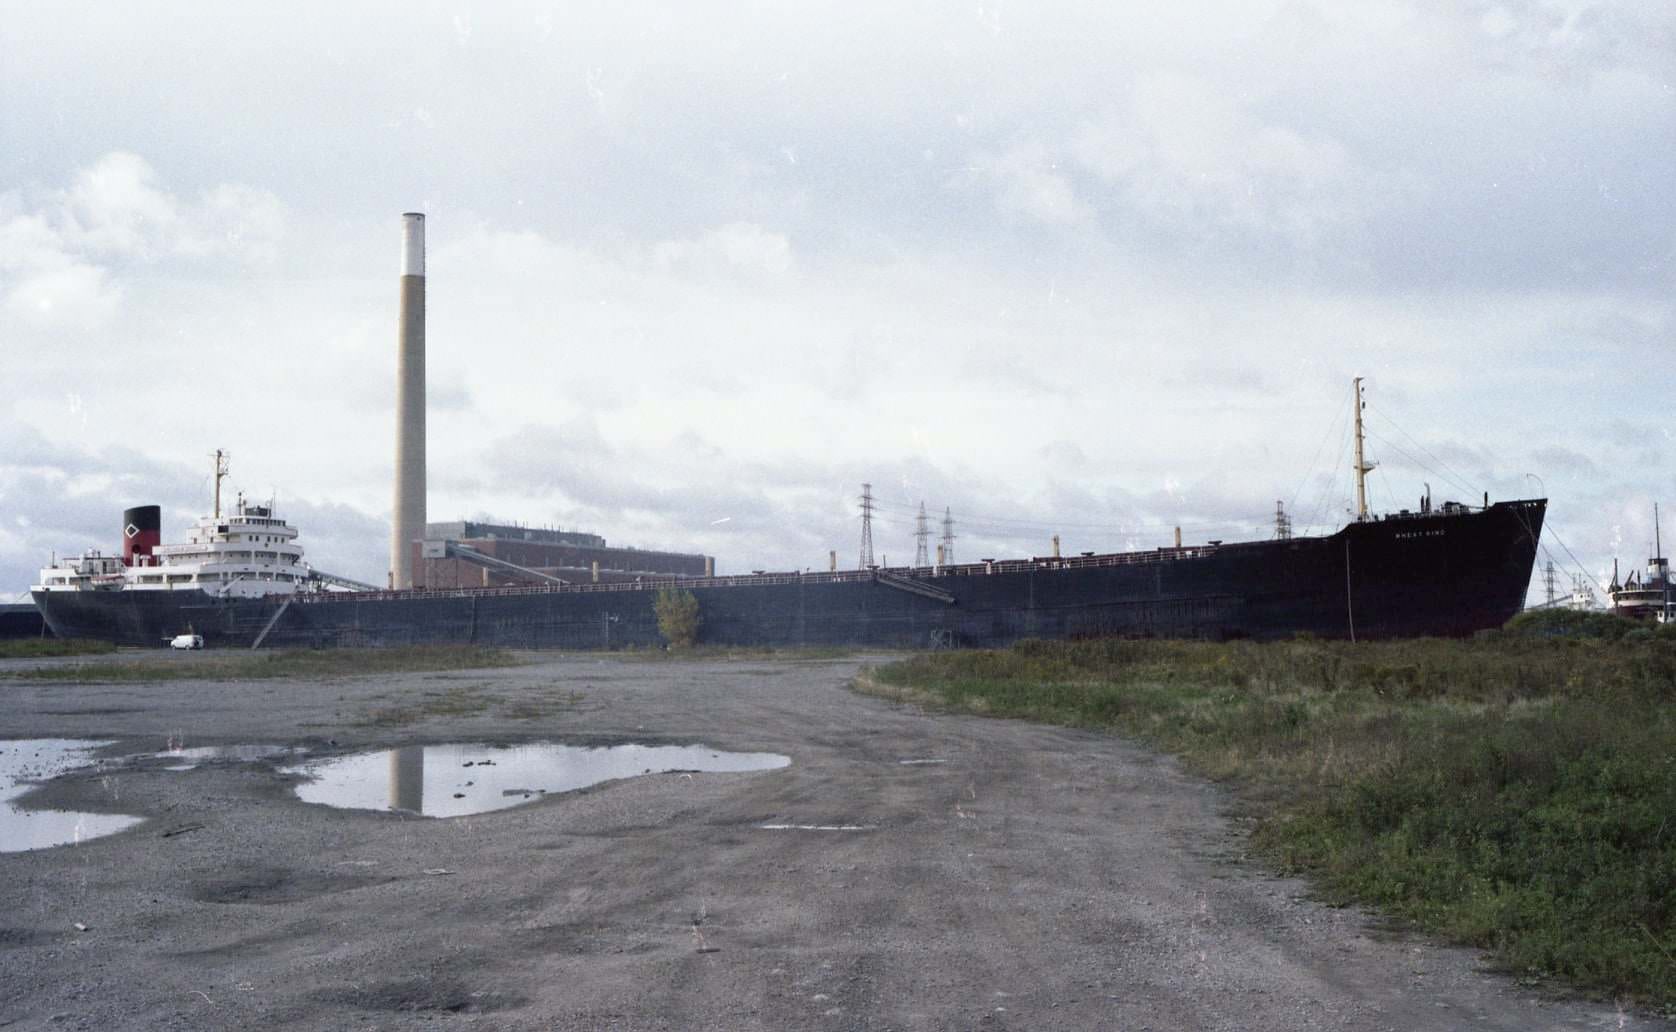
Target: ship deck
(977,569)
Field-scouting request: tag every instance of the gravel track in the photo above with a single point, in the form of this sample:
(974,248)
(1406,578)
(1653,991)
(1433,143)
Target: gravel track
(1030,878)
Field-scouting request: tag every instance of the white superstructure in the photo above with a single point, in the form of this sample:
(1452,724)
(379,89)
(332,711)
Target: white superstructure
(1647,596)
(248,553)
(244,554)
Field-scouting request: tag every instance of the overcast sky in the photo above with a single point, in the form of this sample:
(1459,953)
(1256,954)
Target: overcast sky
(697,271)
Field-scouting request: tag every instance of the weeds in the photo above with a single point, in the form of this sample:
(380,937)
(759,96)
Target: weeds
(42,648)
(1516,792)
(242,666)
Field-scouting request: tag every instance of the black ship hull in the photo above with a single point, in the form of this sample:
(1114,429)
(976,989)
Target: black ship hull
(18,621)
(1440,574)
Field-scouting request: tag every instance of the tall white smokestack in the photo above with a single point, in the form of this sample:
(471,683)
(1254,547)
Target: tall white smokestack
(410,404)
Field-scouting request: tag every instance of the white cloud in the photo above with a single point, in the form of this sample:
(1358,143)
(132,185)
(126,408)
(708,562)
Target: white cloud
(737,247)
(62,292)
(115,208)
(64,253)
(233,220)
(1028,182)
(1183,153)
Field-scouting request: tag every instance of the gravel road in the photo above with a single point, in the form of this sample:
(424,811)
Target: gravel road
(1020,877)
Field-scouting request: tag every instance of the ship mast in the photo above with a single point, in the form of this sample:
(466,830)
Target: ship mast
(1663,567)
(1363,467)
(220,471)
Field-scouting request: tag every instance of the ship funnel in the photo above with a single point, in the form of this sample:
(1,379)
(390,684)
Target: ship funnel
(142,529)
(409,517)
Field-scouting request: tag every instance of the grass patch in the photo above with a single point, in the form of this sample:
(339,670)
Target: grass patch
(243,666)
(735,653)
(45,648)
(1516,792)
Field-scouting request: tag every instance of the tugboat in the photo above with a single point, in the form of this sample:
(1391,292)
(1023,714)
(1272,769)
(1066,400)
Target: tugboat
(1649,594)
(152,592)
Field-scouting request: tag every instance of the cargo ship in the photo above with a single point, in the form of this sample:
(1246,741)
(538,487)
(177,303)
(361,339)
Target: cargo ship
(20,620)
(1448,572)
(1445,571)
(241,581)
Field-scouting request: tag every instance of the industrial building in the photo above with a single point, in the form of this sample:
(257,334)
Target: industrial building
(475,555)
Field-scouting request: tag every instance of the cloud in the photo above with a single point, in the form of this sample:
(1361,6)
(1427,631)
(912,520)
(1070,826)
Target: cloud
(115,207)
(1028,182)
(1182,155)
(1564,460)
(735,247)
(64,253)
(59,291)
(42,282)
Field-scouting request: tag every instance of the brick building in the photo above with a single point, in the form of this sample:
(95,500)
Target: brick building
(570,555)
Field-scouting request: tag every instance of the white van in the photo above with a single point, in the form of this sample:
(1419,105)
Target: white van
(187,641)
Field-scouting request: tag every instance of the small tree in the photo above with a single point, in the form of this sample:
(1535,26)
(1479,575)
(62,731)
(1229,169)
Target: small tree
(678,619)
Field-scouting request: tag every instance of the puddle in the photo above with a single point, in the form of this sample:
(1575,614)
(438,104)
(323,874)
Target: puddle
(189,758)
(816,827)
(453,780)
(24,762)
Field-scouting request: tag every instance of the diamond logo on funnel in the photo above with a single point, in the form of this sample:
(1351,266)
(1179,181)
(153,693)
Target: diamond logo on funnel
(130,531)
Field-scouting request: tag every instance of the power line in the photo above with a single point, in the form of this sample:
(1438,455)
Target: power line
(1252,525)
(1434,471)
(1548,527)
(1315,461)
(1447,471)
(1006,522)
(1330,484)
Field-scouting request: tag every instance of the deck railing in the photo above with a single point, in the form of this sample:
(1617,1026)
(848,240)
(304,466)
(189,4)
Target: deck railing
(929,573)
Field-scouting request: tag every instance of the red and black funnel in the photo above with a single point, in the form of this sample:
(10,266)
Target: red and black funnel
(142,531)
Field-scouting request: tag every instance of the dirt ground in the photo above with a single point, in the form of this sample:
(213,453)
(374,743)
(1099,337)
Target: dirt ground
(1030,878)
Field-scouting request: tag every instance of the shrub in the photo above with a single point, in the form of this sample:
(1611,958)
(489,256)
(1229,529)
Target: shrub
(678,619)
(1568,623)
